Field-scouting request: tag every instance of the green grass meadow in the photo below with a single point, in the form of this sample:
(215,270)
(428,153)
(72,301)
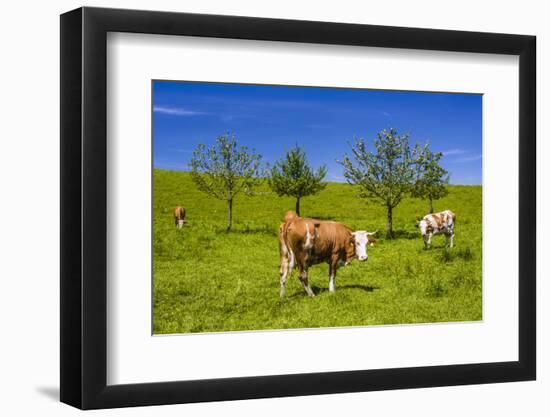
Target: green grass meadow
(208,280)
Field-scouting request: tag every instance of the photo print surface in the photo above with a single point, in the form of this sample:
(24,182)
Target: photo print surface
(290,207)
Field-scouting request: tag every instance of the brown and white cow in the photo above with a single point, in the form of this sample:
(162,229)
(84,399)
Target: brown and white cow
(179,216)
(305,242)
(438,223)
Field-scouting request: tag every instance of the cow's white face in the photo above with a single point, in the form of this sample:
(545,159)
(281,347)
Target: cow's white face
(361,243)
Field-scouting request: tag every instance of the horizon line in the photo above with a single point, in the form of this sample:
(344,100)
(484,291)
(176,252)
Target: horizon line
(335,182)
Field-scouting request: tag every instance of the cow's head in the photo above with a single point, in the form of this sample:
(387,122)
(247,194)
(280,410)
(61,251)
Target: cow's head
(360,241)
(423,225)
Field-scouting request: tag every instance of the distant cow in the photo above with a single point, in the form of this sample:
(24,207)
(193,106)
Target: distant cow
(438,223)
(305,242)
(179,216)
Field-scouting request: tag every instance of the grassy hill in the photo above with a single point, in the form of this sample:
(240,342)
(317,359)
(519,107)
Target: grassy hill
(208,280)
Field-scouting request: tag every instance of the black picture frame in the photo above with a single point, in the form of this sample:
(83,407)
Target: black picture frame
(84,207)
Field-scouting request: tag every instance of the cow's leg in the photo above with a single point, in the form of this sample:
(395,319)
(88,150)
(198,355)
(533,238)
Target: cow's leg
(452,239)
(332,276)
(331,287)
(429,242)
(287,265)
(284,267)
(283,272)
(304,280)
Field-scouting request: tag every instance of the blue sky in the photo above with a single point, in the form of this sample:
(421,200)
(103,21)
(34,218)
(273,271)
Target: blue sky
(272,119)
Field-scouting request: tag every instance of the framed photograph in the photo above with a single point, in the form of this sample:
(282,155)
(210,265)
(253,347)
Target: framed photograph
(257,208)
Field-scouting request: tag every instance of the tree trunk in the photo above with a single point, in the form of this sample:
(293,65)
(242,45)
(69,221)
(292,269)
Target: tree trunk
(389,231)
(229,214)
(298,206)
(431,205)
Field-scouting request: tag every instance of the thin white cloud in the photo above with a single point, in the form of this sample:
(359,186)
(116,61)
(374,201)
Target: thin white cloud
(385,113)
(454,152)
(470,158)
(227,117)
(177,111)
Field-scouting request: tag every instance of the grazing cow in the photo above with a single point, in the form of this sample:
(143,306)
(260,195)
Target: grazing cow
(305,242)
(179,216)
(438,223)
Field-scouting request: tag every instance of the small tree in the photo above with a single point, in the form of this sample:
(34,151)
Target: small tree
(432,178)
(292,176)
(386,175)
(224,170)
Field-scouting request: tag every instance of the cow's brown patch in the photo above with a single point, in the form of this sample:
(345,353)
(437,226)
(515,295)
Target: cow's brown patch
(179,214)
(438,218)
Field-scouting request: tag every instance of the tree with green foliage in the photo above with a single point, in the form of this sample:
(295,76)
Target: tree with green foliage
(225,170)
(432,178)
(293,176)
(387,174)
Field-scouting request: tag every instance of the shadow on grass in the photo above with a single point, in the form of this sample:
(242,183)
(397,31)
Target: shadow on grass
(405,234)
(314,216)
(435,247)
(366,288)
(249,230)
(318,290)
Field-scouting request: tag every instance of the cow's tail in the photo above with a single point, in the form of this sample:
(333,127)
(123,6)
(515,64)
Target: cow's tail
(291,256)
(291,259)
(452,216)
(287,255)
